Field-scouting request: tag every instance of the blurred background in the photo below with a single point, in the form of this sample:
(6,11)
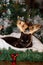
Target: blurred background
(27,10)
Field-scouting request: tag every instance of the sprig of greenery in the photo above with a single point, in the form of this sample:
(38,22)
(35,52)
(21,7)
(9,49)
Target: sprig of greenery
(22,56)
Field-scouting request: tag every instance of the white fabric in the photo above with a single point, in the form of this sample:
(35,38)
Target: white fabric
(37,45)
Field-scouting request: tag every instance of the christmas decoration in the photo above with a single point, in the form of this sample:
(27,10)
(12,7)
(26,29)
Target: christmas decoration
(28,55)
(9,12)
(5,26)
(12,10)
(13,56)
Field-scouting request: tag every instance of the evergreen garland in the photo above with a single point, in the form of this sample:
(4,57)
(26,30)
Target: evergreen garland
(28,55)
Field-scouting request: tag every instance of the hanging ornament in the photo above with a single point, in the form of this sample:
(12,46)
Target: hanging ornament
(14,56)
(4,4)
(8,12)
(3,13)
(24,9)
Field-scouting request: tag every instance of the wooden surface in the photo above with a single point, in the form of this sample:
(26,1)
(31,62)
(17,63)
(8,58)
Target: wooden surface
(21,63)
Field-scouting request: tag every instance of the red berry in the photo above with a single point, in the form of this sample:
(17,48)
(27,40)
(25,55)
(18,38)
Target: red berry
(14,59)
(12,55)
(13,63)
(16,54)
